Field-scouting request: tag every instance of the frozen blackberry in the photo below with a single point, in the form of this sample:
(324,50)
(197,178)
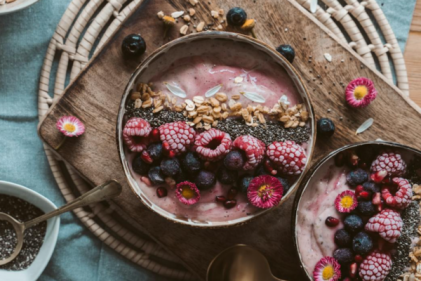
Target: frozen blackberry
(359,176)
(236,16)
(170,167)
(205,180)
(325,127)
(155,151)
(191,163)
(139,166)
(353,223)
(362,243)
(284,183)
(371,187)
(343,238)
(366,208)
(234,160)
(287,51)
(226,176)
(133,45)
(244,183)
(343,255)
(156,176)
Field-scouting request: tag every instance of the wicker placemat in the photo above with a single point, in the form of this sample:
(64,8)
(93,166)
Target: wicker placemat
(84,28)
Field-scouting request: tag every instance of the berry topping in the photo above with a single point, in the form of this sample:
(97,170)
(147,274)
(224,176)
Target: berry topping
(133,45)
(342,238)
(212,145)
(390,162)
(285,184)
(134,133)
(244,183)
(343,255)
(331,221)
(253,148)
(176,137)
(232,193)
(187,193)
(375,267)
(170,167)
(403,194)
(289,157)
(155,151)
(264,192)
(388,223)
(230,203)
(156,176)
(325,127)
(354,178)
(234,160)
(226,176)
(161,192)
(205,180)
(353,223)
(236,16)
(287,51)
(371,187)
(191,163)
(346,201)
(364,195)
(327,269)
(360,92)
(139,166)
(366,208)
(378,177)
(362,243)
(221,199)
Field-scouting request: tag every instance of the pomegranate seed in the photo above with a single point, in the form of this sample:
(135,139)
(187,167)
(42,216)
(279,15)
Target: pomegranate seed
(171,154)
(166,146)
(221,199)
(210,166)
(161,192)
(346,279)
(359,259)
(376,199)
(362,165)
(146,157)
(358,190)
(364,195)
(231,193)
(378,176)
(340,160)
(331,221)
(155,135)
(146,181)
(353,159)
(269,168)
(230,203)
(353,270)
(379,208)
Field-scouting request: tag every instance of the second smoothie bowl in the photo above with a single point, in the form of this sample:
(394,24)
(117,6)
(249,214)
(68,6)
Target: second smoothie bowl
(214,129)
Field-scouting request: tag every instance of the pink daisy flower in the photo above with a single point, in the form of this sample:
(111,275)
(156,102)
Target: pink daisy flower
(346,201)
(70,126)
(187,193)
(327,269)
(265,191)
(360,92)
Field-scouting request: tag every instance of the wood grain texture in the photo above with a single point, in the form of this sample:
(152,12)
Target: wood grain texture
(95,97)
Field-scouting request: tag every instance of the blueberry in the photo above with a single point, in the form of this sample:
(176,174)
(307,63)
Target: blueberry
(362,243)
(353,223)
(244,183)
(236,16)
(366,208)
(342,238)
(205,180)
(343,255)
(325,127)
(191,163)
(139,166)
(170,167)
(359,176)
(285,184)
(155,151)
(156,176)
(371,187)
(234,160)
(226,176)
(287,51)
(133,45)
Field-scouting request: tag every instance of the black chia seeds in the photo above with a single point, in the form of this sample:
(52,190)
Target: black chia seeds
(155,119)
(22,211)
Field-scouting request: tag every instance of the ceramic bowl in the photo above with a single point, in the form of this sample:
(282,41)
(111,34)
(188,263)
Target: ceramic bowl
(16,6)
(188,46)
(44,255)
(319,171)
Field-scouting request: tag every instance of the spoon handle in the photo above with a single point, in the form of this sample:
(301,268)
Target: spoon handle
(104,191)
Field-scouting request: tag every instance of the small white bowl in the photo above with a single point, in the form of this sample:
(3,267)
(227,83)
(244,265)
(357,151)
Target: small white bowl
(16,6)
(38,265)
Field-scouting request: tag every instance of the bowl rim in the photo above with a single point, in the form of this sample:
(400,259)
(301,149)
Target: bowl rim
(223,35)
(312,172)
(50,239)
(4,8)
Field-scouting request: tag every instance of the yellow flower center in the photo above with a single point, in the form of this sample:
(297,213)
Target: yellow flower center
(360,92)
(328,272)
(264,191)
(69,127)
(347,201)
(187,192)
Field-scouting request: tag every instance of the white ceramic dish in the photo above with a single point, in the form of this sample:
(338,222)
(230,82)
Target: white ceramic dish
(16,6)
(37,267)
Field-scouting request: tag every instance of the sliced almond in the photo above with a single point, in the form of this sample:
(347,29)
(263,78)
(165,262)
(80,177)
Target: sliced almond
(198,99)
(200,26)
(135,96)
(158,109)
(137,103)
(184,29)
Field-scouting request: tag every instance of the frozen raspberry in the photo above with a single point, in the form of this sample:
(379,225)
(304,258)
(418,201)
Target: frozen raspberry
(288,156)
(388,224)
(253,148)
(375,267)
(135,132)
(176,137)
(212,145)
(403,194)
(390,162)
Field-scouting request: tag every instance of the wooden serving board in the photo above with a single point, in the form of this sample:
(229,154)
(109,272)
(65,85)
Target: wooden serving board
(95,97)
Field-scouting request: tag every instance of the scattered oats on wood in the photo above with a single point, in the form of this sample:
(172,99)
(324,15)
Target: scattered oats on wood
(177,14)
(186,18)
(160,14)
(200,26)
(214,14)
(192,12)
(183,29)
(194,2)
(221,12)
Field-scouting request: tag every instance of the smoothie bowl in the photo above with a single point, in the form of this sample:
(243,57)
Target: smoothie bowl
(214,129)
(357,213)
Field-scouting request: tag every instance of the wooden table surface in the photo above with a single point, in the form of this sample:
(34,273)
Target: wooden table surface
(413,56)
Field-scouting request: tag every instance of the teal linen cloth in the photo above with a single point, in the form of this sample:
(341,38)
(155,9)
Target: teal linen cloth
(24,37)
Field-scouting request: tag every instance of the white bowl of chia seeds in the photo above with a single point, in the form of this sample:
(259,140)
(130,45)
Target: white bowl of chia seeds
(39,240)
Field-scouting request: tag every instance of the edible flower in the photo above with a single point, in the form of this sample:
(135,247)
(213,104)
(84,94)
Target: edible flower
(248,26)
(327,269)
(360,92)
(346,201)
(187,193)
(265,191)
(168,22)
(70,126)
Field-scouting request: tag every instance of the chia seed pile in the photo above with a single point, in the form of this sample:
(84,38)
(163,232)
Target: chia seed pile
(33,237)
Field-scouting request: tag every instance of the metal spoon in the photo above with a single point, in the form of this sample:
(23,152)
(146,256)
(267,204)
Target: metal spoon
(104,191)
(240,263)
